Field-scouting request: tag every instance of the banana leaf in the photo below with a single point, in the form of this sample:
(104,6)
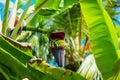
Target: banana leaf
(53,4)
(15,62)
(16,50)
(70,2)
(118,76)
(4,73)
(14,68)
(66,20)
(103,38)
(56,72)
(11,69)
(15,65)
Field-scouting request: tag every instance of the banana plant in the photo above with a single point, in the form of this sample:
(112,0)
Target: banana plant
(16,64)
(14,58)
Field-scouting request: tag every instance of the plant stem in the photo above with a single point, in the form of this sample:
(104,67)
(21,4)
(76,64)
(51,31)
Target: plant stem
(70,22)
(5,17)
(80,30)
(35,29)
(14,33)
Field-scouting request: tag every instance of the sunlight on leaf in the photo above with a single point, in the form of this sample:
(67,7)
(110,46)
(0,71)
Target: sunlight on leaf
(103,37)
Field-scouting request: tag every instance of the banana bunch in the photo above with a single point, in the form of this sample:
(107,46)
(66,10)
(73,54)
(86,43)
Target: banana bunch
(89,69)
(43,39)
(61,44)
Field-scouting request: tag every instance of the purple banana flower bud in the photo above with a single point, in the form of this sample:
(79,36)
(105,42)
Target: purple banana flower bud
(59,35)
(58,52)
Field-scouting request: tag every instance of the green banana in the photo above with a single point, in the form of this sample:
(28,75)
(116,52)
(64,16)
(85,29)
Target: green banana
(60,43)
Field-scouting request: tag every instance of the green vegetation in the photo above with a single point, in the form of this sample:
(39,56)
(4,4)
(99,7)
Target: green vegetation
(26,48)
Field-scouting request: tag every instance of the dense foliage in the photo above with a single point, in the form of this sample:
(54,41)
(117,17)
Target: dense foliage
(91,40)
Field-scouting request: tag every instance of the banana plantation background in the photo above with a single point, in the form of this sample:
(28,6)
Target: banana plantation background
(88,31)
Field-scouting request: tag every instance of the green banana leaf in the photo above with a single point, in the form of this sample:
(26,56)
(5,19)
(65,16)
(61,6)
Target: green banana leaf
(5,72)
(118,76)
(11,68)
(15,62)
(53,4)
(70,2)
(103,38)
(67,20)
(56,72)
(15,65)
(22,55)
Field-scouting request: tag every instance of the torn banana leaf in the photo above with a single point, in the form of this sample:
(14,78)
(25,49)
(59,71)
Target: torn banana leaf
(89,69)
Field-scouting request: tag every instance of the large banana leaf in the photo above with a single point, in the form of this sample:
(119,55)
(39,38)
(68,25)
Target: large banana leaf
(56,72)
(67,20)
(13,60)
(53,4)
(102,35)
(118,76)
(13,65)
(70,2)
(23,56)
(11,68)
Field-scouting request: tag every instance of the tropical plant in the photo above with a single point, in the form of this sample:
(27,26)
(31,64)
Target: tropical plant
(80,19)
